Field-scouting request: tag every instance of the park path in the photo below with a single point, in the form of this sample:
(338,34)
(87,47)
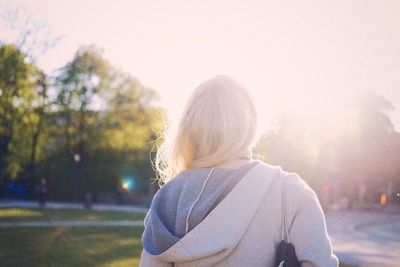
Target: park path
(70,223)
(365,238)
(59,205)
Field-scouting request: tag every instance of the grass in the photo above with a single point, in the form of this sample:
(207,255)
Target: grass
(22,214)
(70,246)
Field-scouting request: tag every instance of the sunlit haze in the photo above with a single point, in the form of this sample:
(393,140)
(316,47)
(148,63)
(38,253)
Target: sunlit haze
(305,57)
(94,173)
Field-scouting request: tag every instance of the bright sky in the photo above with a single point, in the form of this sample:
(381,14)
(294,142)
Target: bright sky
(304,56)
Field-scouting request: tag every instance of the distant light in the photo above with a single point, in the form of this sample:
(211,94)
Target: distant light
(398,194)
(383,199)
(128,183)
(77,157)
(125,186)
(325,188)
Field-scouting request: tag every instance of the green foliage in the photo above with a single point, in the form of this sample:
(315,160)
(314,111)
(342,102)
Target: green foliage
(96,130)
(105,118)
(17,95)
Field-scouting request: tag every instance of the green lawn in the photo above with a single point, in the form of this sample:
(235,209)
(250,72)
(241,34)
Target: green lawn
(20,214)
(70,246)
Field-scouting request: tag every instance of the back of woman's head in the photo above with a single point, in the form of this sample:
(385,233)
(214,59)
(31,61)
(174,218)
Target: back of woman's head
(219,124)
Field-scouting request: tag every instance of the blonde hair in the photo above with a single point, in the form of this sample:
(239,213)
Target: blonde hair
(219,123)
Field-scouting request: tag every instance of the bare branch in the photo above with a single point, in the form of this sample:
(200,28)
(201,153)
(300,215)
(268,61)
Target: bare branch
(29,34)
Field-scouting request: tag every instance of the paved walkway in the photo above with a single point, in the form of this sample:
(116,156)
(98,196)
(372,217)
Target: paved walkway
(70,223)
(365,238)
(59,205)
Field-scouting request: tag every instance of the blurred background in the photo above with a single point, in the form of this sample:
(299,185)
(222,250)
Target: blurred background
(87,86)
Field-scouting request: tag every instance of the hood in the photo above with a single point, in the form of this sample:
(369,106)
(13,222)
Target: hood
(216,236)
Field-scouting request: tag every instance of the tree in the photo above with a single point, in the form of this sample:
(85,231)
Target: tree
(29,34)
(104,120)
(29,38)
(80,83)
(35,123)
(130,122)
(364,156)
(16,93)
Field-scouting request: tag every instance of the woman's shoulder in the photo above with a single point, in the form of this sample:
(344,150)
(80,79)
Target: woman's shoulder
(181,179)
(178,183)
(298,193)
(168,194)
(293,183)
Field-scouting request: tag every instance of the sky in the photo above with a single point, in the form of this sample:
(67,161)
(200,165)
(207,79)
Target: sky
(308,57)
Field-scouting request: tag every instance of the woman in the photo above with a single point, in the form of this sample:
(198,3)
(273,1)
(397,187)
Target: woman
(221,208)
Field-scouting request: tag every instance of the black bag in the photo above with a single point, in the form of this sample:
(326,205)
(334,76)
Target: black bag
(286,253)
